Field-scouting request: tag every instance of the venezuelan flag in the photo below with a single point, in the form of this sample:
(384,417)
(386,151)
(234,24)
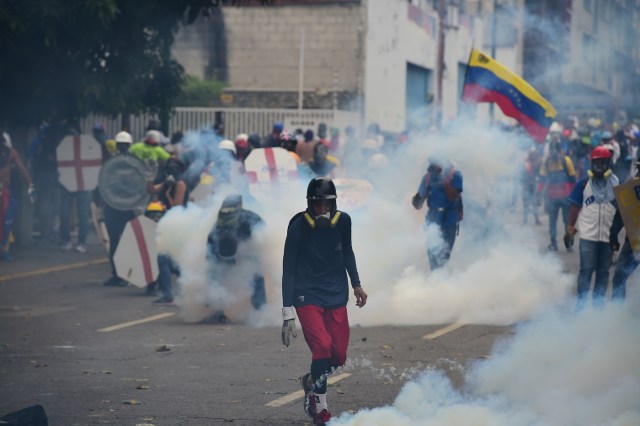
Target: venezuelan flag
(487,80)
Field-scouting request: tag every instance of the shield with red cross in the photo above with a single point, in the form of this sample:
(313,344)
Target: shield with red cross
(79,161)
(136,257)
(271,173)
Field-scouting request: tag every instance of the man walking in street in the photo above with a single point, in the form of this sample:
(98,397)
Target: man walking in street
(317,258)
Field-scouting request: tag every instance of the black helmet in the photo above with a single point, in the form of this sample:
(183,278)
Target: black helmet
(321,188)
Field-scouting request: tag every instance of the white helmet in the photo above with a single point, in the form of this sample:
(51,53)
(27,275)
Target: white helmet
(124,137)
(228,145)
(370,144)
(378,161)
(555,127)
(242,137)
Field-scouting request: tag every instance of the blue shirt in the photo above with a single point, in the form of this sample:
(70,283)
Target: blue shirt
(316,262)
(441,210)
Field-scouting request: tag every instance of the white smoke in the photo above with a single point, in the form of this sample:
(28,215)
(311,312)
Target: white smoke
(559,370)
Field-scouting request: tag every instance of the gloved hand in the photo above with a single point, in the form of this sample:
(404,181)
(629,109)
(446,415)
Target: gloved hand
(288,325)
(32,193)
(417,201)
(568,240)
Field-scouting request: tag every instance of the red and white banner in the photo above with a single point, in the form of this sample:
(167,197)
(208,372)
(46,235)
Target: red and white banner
(136,258)
(79,162)
(271,172)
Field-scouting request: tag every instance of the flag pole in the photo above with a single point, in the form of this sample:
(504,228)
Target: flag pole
(493,51)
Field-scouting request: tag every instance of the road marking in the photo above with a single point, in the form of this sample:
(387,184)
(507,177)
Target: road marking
(33,311)
(299,394)
(136,322)
(52,269)
(443,331)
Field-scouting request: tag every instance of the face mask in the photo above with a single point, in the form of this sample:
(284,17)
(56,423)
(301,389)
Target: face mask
(323,220)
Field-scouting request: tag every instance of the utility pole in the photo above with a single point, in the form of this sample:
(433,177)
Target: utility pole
(441,34)
(301,72)
(493,50)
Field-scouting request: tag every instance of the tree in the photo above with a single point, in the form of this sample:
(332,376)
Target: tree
(72,57)
(199,93)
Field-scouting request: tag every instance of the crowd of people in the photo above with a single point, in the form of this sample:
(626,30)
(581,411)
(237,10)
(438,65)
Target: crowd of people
(572,175)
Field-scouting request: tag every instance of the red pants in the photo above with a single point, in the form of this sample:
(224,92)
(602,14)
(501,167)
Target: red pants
(326,332)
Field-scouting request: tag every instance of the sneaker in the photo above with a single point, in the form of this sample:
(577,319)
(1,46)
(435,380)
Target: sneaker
(115,281)
(309,397)
(322,418)
(151,289)
(163,301)
(66,246)
(6,257)
(552,247)
(80,248)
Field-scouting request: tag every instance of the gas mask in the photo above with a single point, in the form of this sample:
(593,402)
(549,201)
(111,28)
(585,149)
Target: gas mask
(600,168)
(227,227)
(324,220)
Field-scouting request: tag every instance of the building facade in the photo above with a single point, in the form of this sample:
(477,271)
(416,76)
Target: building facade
(377,57)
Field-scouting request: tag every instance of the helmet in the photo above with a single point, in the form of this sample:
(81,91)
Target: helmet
(600,152)
(370,144)
(606,135)
(156,206)
(124,137)
(153,137)
(155,210)
(242,137)
(555,127)
(321,188)
(600,162)
(285,135)
(228,145)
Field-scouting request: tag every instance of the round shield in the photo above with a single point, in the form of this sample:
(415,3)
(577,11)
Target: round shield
(79,159)
(352,193)
(123,183)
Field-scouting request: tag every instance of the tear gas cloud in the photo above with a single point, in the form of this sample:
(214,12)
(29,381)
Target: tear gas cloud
(496,274)
(560,369)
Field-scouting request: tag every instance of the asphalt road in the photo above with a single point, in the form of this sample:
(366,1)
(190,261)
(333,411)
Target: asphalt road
(92,355)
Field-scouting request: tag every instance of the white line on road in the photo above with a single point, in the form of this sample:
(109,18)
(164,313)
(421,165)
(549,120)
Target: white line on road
(299,394)
(443,331)
(136,322)
(52,269)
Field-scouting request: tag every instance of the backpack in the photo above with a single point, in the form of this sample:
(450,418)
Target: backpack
(449,178)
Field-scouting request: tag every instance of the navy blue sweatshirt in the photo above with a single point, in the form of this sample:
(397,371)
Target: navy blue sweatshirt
(316,262)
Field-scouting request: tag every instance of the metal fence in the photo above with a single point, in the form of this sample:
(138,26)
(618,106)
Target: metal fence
(235,120)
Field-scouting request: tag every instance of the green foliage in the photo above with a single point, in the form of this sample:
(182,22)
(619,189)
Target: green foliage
(72,57)
(199,93)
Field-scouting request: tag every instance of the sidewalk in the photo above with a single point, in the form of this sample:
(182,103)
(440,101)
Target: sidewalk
(41,255)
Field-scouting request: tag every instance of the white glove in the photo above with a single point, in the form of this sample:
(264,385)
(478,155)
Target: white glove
(288,324)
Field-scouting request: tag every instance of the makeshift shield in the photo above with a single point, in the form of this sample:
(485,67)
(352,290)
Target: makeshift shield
(352,193)
(79,161)
(123,183)
(203,189)
(136,258)
(628,198)
(271,173)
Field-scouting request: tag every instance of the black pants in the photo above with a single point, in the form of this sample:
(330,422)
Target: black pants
(115,221)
